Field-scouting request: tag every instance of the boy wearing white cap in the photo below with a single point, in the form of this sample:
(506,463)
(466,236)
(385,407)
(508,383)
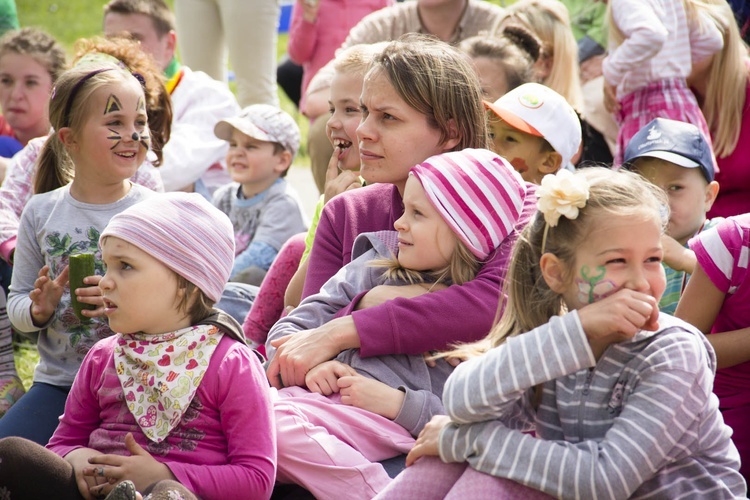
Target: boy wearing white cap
(263,208)
(535,129)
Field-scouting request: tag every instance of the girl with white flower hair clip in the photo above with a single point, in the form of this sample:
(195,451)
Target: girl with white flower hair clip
(618,396)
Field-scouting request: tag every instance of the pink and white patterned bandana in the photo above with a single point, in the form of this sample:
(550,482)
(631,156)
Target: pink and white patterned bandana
(160,374)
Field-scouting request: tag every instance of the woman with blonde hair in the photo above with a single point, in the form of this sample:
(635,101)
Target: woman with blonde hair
(558,63)
(722,87)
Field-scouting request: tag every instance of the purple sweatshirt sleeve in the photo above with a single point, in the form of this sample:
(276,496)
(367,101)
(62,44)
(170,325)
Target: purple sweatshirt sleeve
(435,320)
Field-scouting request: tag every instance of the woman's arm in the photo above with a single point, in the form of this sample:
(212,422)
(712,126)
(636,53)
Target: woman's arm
(303,32)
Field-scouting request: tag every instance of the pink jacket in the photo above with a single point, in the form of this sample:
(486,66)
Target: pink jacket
(314,44)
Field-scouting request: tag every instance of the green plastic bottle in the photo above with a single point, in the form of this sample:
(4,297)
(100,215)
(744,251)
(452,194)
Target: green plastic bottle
(80,266)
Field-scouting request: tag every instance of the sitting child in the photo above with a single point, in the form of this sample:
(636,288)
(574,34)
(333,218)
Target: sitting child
(264,210)
(677,158)
(617,394)
(716,301)
(535,129)
(356,411)
(176,394)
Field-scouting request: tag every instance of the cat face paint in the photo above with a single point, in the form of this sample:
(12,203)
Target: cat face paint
(114,105)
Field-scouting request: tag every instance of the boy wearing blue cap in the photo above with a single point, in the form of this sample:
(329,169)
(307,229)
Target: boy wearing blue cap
(676,157)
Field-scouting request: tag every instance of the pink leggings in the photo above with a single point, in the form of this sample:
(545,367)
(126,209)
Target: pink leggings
(268,305)
(430,478)
(332,449)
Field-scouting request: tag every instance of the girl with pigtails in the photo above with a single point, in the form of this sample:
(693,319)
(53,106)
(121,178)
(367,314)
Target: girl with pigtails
(98,112)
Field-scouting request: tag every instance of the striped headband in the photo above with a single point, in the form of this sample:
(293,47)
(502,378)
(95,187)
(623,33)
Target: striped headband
(185,233)
(478,194)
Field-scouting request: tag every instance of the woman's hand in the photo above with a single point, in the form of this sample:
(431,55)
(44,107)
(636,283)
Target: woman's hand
(91,295)
(79,459)
(297,354)
(140,467)
(371,395)
(618,317)
(46,295)
(310,10)
(428,440)
(323,378)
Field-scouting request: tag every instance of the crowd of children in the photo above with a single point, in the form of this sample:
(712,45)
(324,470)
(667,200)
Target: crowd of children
(476,308)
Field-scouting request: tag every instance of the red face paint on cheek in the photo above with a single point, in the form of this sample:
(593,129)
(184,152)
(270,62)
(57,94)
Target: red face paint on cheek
(520,165)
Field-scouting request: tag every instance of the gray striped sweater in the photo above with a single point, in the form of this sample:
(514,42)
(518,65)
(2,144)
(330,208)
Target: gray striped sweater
(641,422)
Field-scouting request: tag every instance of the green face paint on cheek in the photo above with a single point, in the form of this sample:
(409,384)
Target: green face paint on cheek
(592,286)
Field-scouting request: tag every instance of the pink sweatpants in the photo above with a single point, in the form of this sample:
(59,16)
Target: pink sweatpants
(331,448)
(430,478)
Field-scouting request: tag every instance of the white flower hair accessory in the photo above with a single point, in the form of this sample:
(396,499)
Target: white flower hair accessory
(561,194)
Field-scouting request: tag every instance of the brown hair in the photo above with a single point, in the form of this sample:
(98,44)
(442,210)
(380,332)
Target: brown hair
(157,10)
(437,80)
(514,49)
(38,45)
(194,303)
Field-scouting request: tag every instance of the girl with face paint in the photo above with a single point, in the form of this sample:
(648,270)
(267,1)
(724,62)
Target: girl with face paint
(98,112)
(582,357)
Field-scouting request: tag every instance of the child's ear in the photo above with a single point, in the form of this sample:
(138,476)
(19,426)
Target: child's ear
(553,272)
(712,191)
(67,138)
(284,161)
(453,138)
(552,163)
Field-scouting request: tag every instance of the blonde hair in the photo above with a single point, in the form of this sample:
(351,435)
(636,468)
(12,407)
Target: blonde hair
(462,266)
(438,81)
(69,107)
(726,84)
(549,20)
(530,302)
(356,60)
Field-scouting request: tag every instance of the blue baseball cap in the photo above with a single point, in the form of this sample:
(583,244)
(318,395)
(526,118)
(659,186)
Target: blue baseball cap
(677,142)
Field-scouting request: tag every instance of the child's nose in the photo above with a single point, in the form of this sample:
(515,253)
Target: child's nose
(400,224)
(106,282)
(638,280)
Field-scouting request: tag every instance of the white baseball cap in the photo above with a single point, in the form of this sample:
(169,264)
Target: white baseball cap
(265,123)
(540,111)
